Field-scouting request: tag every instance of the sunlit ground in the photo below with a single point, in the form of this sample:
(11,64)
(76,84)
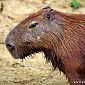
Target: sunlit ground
(31,71)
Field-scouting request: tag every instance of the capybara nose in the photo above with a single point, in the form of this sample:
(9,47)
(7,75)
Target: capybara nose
(9,43)
(10,46)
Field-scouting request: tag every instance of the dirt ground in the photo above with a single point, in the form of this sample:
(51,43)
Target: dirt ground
(33,70)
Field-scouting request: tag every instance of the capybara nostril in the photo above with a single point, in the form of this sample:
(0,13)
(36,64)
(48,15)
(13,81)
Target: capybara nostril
(10,42)
(10,46)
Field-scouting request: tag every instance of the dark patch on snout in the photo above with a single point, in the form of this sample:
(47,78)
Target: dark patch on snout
(9,43)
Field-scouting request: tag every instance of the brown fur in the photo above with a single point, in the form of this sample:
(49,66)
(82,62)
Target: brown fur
(60,36)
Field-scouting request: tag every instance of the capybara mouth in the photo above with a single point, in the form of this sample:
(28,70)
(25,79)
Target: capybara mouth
(29,53)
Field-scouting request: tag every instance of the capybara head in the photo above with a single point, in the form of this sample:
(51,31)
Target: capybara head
(59,35)
(34,34)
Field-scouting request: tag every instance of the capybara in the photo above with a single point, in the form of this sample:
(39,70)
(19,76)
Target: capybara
(60,36)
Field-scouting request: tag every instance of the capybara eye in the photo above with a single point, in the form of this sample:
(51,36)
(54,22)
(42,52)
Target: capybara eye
(48,16)
(33,24)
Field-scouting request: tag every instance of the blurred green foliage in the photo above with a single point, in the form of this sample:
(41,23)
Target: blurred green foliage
(75,4)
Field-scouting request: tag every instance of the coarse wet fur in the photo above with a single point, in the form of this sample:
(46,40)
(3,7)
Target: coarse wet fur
(59,35)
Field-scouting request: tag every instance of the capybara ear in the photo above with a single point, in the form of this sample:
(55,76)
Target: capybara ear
(48,13)
(47,7)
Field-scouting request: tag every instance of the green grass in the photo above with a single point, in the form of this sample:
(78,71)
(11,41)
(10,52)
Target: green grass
(75,4)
